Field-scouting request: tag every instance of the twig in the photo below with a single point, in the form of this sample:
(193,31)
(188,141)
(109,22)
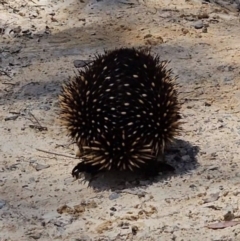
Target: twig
(8,83)
(35,119)
(11,117)
(64,145)
(234,112)
(194,99)
(5,73)
(131,4)
(58,154)
(38,126)
(15,112)
(33,1)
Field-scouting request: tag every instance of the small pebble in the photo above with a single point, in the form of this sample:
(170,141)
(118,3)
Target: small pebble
(147,36)
(113,209)
(32,161)
(83,238)
(198,25)
(113,196)
(34,233)
(62,222)
(2,204)
(40,167)
(50,216)
(80,63)
(237,174)
(203,15)
(44,107)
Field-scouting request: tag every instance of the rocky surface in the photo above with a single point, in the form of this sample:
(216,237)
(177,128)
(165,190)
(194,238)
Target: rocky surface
(41,41)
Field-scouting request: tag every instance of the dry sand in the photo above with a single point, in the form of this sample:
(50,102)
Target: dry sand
(39,42)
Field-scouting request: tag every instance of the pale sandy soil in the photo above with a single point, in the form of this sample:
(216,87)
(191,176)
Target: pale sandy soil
(39,41)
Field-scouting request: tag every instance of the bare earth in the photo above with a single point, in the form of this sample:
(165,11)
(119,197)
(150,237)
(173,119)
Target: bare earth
(39,199)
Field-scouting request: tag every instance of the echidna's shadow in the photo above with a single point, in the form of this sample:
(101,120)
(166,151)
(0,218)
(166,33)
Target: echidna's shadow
(181,155)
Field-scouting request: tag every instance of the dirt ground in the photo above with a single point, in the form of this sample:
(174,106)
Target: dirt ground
(39,199)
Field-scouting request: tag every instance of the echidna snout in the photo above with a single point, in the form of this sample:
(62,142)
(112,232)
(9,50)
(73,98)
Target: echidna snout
(122,110)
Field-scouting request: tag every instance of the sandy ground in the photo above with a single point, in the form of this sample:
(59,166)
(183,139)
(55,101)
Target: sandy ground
(39,200)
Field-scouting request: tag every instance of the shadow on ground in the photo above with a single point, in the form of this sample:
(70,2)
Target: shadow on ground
(181,155)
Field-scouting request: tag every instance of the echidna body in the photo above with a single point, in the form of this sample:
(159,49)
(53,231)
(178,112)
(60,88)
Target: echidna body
(122,110)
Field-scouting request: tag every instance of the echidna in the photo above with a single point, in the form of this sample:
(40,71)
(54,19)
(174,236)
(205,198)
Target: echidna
(122,110)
